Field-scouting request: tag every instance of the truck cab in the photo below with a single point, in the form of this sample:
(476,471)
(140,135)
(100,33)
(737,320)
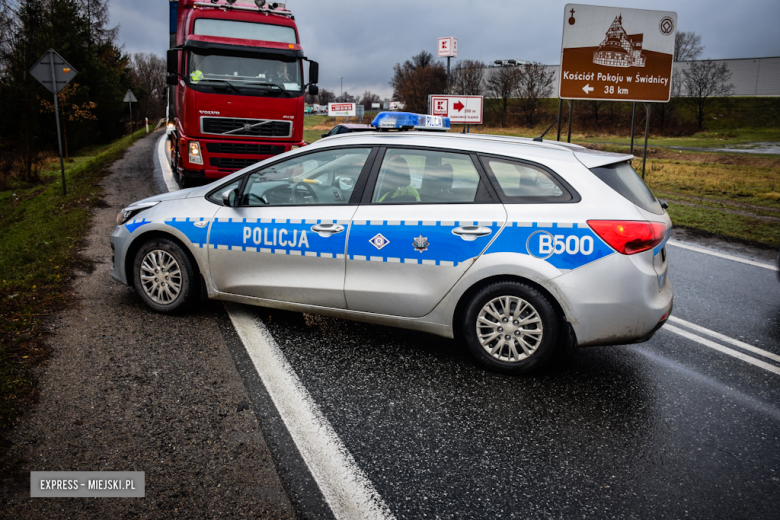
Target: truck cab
(238,79)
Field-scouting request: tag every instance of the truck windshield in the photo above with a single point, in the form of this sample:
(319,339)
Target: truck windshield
(245,72)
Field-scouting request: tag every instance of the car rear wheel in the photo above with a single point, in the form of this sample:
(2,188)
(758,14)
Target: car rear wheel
(164,276)
(512,328)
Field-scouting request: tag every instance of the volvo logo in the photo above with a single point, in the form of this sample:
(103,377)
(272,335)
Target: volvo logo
(210,112)
(247,127)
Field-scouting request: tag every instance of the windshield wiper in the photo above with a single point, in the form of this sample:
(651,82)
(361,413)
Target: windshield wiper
(223,81)
(270,85)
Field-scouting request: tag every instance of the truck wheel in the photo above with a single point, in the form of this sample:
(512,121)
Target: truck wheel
(185,182)
(512,328)
(164,277)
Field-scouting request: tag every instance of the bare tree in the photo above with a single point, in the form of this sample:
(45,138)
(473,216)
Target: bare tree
(149,71)
(467,78)
(326,96)
(703,84)
(687,46)
(501,84)
(346,97)
(368,98)
(534,84)
(416,79)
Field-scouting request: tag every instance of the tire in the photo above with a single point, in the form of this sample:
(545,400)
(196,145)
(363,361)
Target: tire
(542,337)
(165,292)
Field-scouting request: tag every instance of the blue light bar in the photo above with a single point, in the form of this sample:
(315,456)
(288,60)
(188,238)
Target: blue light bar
(409,121)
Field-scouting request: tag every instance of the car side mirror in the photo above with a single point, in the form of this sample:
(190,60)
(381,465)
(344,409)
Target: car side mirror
(172,80)
(664,204)
(314,90)
(229,198)
(324,135)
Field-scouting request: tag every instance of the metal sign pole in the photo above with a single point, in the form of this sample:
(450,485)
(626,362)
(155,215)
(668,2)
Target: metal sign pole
(132,123)
(57,119)
(560,107)
(633,125)
(571,109)
(647,132)
(448,75)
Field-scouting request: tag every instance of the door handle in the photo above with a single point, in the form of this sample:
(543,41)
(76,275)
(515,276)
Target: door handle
(470,233)
(326,230)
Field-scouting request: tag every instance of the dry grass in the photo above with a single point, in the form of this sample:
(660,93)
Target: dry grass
(754,180)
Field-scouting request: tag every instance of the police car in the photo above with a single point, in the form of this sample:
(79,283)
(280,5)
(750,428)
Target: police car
(523,249)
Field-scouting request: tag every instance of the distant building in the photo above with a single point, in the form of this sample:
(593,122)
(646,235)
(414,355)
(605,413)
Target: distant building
(620,49)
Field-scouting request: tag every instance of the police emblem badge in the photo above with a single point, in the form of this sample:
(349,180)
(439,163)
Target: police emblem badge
(421,244)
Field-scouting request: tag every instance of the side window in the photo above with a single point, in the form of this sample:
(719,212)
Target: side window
(326,177)
(520,182)
(425,177)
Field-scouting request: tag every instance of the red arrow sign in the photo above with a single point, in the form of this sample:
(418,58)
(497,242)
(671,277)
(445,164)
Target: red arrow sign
(458,106)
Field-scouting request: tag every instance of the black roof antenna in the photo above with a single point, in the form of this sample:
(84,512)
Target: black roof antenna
(539,139)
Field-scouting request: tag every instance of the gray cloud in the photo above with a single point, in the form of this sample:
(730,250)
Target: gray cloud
(361,40)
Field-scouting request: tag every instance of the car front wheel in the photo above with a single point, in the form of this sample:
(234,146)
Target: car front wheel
(512,328)
(164,276)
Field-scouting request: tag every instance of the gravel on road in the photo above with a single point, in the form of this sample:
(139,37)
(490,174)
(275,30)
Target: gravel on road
(126,389)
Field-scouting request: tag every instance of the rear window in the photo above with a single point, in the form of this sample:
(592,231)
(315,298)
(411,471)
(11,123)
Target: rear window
(622,178)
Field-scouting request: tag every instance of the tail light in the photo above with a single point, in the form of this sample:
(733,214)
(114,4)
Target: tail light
(629,237)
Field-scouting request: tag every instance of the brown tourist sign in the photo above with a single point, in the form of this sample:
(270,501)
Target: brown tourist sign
(616,54)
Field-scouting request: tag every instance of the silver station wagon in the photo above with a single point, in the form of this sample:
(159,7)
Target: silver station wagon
(522,249)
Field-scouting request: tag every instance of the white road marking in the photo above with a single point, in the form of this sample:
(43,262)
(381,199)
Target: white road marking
(721,348)
(723,337)
(347,490)
(165,166)
(676,243)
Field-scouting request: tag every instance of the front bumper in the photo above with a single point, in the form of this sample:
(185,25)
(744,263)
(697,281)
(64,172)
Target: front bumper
(120,242)
(221,157)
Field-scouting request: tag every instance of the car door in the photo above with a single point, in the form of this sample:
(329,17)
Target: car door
(285,238)
(425,216)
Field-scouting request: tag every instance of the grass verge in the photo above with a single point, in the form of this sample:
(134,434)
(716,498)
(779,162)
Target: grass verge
(41,232)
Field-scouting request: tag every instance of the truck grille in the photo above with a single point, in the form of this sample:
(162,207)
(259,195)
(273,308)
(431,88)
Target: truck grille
(231,164)
(244,149)
(220,125)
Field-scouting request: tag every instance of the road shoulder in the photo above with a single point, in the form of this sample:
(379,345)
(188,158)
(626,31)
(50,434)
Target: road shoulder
(128,389)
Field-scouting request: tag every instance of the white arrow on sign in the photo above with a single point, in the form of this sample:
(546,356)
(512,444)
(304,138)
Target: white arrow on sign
(588,89)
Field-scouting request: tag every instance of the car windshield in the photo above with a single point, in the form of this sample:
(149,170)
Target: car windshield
(239,72)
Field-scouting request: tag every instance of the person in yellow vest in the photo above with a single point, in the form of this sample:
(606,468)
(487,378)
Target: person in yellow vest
(397,182)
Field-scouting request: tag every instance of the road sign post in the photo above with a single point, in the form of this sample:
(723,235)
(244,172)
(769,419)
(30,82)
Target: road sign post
(448,48)
(130,98)
(617,54)
(53,72)
(466,110)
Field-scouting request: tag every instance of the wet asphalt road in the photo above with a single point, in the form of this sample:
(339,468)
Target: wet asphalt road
(666,429)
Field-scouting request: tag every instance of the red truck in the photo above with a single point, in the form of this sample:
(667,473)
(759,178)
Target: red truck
(237,76)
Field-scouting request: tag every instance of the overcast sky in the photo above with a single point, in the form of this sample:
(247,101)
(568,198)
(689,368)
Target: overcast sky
(361,40)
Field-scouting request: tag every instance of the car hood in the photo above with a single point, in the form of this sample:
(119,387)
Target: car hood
(171,195)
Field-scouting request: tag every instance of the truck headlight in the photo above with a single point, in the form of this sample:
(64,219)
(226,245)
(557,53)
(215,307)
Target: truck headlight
(195,156)
(132,210)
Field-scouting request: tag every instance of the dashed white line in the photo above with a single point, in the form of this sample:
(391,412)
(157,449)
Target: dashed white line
(676,243)
(723,337)
(347,490)
(720,348)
